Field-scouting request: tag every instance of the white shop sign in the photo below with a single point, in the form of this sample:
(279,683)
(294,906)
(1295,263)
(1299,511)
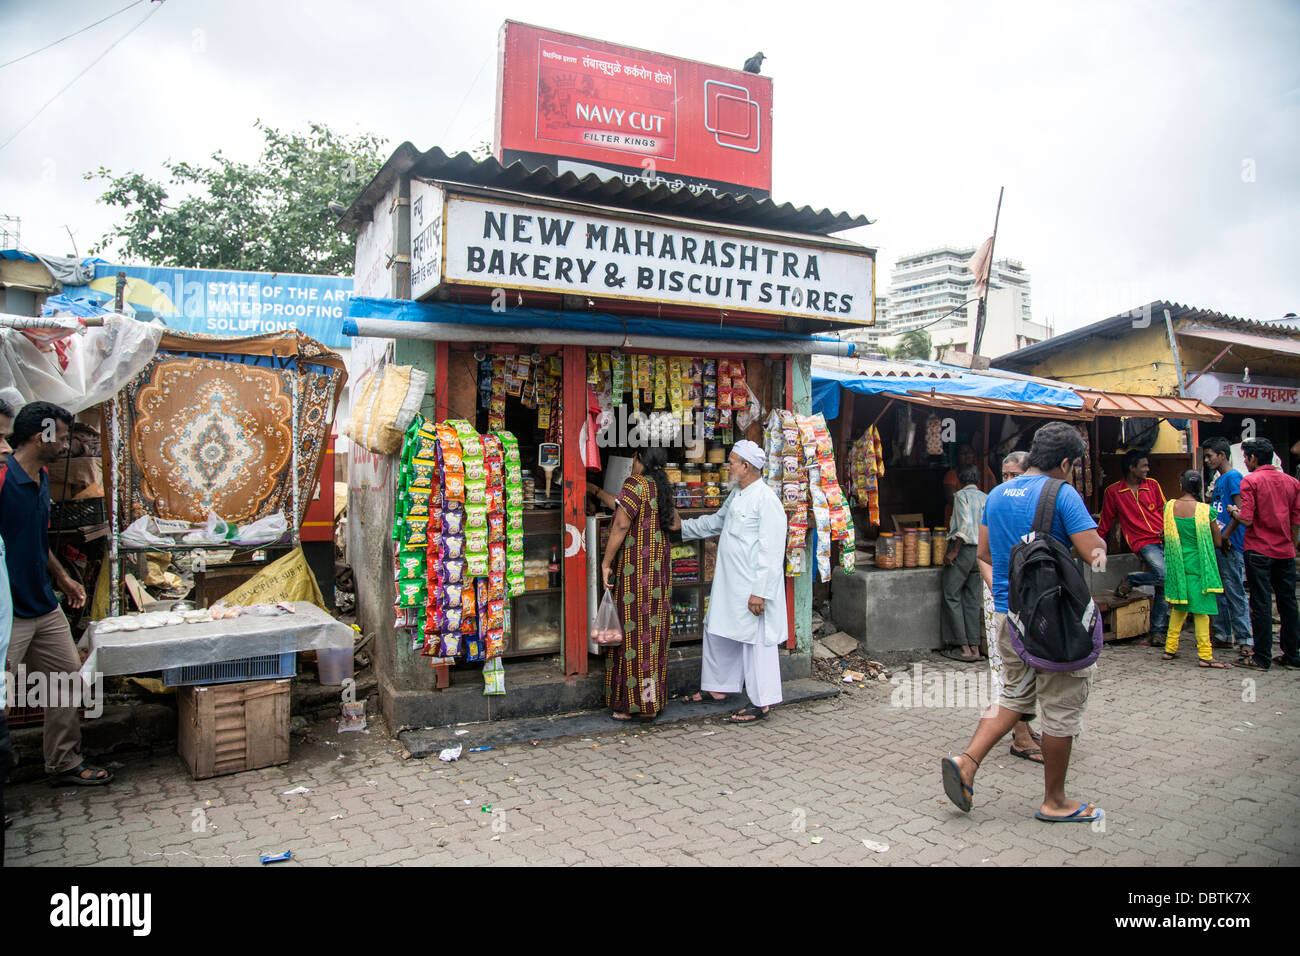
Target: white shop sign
(1265,394)
(513,246)
(426,237)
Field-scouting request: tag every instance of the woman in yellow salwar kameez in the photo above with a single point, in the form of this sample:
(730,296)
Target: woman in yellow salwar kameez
(1192,583)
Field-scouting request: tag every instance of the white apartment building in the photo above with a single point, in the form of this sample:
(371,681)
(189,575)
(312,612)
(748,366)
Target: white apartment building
(934,290)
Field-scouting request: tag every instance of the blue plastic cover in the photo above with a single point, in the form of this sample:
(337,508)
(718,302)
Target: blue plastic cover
(452,313)
(826,386)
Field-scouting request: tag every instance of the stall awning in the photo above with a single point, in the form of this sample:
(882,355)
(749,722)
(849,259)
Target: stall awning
(963,390)
(401,318)
(1118,404)
(1253,340)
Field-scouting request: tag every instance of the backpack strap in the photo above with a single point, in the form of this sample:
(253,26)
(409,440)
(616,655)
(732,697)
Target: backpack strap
(1045,513)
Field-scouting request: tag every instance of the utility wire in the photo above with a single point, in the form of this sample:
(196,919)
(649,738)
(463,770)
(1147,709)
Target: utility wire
(15,133)
(70,35)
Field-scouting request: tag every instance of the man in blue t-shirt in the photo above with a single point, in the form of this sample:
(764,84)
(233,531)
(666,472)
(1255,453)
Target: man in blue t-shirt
(1060,697)
(1232,624)
(41,638)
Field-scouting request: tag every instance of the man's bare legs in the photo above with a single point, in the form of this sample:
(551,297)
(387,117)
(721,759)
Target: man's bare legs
(1056,759)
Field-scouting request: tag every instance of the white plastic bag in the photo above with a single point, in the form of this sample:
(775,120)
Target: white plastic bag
(607,629)
(141,534)
(264,530)
(215,531)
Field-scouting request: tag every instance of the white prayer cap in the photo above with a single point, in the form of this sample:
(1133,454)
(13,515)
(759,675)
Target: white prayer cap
(750,452)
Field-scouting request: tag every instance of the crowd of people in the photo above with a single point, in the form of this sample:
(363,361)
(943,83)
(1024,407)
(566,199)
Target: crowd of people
(1206,560)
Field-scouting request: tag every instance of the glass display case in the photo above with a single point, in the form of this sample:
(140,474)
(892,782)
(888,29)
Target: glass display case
(536,623)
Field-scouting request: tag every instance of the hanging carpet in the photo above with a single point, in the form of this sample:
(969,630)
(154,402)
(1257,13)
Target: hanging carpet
(208,426)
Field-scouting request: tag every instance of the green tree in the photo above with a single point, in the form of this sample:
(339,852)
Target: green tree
(272,216)
(913,345)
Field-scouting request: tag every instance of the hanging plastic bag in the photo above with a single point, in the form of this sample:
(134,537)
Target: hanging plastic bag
(142,534)
(264,530)
(607,630)
(215,531)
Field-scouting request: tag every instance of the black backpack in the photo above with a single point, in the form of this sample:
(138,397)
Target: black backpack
(1055,625)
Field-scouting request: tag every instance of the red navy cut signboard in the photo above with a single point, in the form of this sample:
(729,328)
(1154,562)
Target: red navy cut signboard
(572,104)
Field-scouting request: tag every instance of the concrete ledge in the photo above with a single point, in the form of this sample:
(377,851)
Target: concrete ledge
(537,689)
(888,610)
(498,733)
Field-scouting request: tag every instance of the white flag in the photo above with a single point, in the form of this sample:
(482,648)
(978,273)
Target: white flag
(979,265)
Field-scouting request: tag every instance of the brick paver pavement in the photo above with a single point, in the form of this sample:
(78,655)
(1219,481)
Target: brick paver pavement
(1192,767)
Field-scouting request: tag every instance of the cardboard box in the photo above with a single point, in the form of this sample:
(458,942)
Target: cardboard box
(227,728)
(71,476)
(1124,617)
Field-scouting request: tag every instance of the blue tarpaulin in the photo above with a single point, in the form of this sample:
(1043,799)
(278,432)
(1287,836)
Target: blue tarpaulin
(453,313)
(826,386)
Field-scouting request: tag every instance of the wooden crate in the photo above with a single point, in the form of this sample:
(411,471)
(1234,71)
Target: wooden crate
(226,728)
(1124,617)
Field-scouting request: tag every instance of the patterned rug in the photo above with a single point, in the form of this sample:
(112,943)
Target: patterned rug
(208,434)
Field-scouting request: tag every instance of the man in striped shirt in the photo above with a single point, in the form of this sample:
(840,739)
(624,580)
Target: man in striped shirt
(1138,504)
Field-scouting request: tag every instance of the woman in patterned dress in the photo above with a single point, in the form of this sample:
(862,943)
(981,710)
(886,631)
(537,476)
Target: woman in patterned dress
(638,568)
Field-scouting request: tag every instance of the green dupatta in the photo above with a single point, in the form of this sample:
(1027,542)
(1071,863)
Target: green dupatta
(1175,573)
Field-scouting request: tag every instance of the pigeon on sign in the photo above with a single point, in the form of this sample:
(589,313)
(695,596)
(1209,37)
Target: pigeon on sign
(755,63)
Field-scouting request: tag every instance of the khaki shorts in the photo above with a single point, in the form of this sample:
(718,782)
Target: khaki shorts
(1060,697)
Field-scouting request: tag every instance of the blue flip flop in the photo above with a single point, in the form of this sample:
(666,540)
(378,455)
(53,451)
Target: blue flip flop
(953,785)
(1075,816)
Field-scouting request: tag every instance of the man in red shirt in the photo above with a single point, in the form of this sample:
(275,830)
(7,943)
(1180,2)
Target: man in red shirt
(1139,506)
(1270,510)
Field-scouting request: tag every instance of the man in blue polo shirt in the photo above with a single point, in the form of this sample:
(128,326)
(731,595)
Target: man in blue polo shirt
(41,639)
(1059,697)
(6,623)
(1232,623)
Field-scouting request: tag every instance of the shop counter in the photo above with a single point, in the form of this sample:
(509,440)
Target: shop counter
(182,645)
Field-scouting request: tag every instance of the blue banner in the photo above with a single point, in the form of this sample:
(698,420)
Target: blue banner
(228,303)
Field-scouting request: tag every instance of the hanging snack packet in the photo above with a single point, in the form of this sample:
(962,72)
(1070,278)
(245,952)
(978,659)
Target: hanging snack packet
(494,675)
(468,599)
(497,557)
(476,518)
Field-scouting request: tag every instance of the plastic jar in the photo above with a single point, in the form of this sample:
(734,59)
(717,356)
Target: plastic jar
(710,474)
(911,541)
(724,473)
(717,454)
(923,547)
(712,496)
(674,473)
(692,475)
(938,545)
(886,551)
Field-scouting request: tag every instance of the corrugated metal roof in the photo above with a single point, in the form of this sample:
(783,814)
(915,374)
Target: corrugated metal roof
(659,199)
(1290,345)
(1141,317)
(1119,404)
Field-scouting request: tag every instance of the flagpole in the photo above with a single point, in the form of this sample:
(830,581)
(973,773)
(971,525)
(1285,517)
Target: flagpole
(981,313)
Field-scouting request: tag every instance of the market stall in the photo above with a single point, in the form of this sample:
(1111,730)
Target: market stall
(582,330)
(901,427)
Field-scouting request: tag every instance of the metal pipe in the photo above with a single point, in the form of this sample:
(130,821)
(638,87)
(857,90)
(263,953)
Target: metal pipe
(443,332)
(48,322)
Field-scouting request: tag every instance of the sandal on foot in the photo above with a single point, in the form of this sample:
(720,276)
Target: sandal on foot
(703,697)
(1169,657)
(958,791)
(76,777)
(1030,754)
(1217,665)
(747,715)
(1077,816)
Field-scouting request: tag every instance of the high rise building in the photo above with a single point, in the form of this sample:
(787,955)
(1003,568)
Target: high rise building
(934,290)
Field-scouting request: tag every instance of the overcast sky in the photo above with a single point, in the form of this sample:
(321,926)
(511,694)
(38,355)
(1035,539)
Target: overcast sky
(1148,150)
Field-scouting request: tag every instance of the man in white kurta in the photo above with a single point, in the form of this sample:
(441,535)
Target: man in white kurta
(746,620)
